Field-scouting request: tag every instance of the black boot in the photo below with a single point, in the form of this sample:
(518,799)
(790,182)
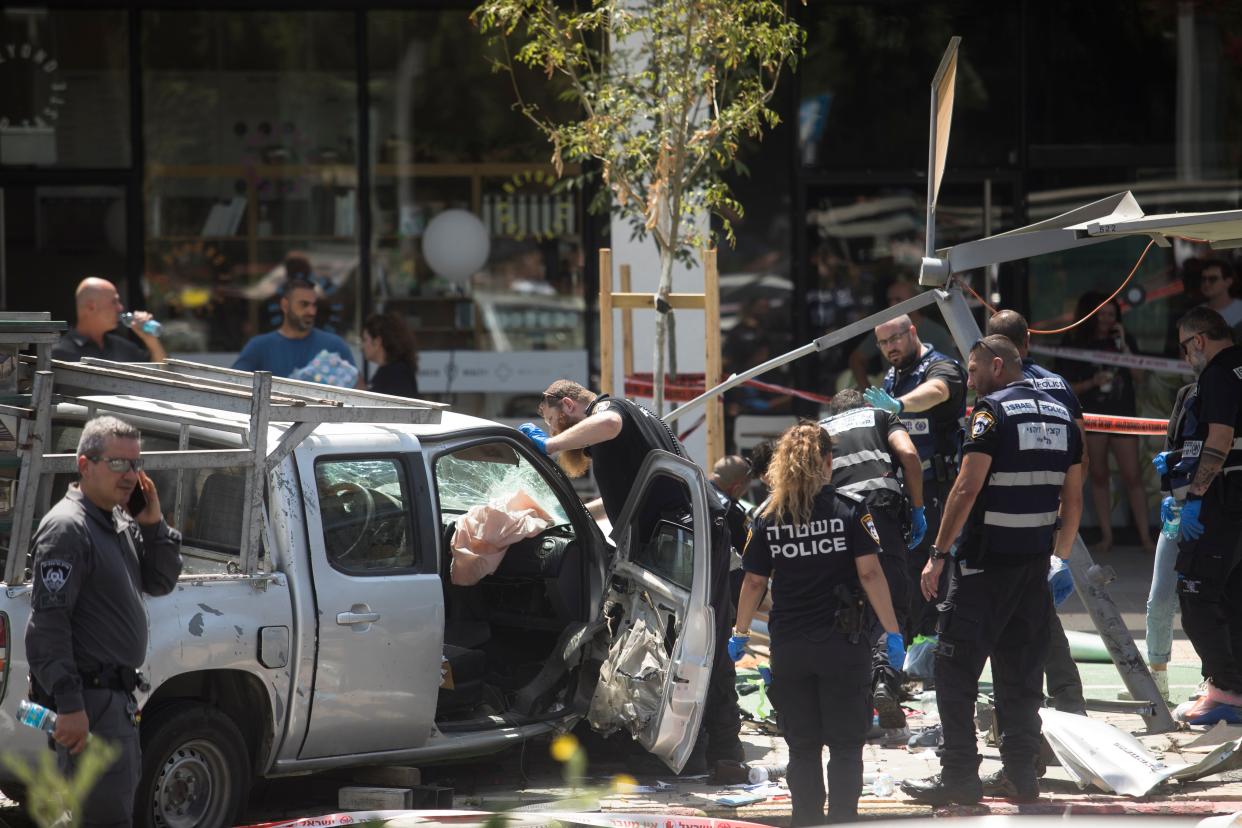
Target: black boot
(935,790)
(999,785)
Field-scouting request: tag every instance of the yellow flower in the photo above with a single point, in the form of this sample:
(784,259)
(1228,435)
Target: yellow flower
(564,747)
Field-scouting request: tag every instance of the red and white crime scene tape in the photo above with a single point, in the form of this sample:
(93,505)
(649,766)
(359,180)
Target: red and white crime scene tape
(1161,365)
(518,819)
(640,385)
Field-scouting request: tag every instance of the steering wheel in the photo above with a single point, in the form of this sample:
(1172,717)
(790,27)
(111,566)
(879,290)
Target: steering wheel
(351,494)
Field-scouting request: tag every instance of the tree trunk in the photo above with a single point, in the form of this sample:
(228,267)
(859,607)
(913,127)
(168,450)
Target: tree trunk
(662,326)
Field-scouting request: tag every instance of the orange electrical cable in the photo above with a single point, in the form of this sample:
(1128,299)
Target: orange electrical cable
(1120,288)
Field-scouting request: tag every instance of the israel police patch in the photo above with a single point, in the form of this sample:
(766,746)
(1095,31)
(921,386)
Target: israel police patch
(980,423)
(868,523)
(55,574)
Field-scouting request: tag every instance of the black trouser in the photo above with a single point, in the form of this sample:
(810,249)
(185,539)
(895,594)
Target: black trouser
(922,620)
(111,801)
(722,718)
(1064,683)
(1002,613)
(893,562)
(821,689)
(1209,588)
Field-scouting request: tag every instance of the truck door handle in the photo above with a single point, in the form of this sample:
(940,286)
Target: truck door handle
(347,618)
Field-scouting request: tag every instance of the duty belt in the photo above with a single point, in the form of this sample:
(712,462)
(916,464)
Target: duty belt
(125,679)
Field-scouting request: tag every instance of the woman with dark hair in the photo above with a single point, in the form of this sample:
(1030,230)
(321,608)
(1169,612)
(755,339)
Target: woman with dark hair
(1106,389)
(388,343)
(820,548)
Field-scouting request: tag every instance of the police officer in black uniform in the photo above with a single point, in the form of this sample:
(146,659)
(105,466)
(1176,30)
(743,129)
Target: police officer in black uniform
(613,436)
(1064,681)
(1017,498)
(87,633)
(817,545)
(927,390)
(873,457)
(1206,466)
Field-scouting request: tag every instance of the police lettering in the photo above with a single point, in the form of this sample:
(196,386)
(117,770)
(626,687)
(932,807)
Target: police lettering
(819,537)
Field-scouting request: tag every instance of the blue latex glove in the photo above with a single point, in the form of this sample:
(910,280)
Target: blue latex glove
(918,525)
(1166,508)
(879,398)
(1192,527)
(536,435)
(737,646)
(1161,462)
(1062,584)
(895,645)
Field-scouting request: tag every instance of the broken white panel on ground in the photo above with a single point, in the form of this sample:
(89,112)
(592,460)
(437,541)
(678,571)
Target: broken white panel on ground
(1096,753)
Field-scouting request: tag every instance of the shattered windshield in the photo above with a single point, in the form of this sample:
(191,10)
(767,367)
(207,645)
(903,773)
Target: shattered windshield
(485,472)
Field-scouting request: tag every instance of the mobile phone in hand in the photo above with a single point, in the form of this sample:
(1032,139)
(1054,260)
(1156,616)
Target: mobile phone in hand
(137,502)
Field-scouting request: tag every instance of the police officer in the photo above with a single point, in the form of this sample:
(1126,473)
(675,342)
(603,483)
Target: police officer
(817,545)
(613,436)
(927,390)
(1021,469)
(87,633)
(1205,467)
(1064,681)
(869,446)
(729,480)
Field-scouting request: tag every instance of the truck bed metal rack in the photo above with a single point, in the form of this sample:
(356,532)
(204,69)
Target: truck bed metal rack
(208,389)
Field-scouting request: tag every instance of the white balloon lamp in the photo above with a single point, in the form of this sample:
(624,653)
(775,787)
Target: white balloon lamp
(456,245)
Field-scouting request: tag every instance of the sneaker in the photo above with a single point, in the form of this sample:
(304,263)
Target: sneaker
(999,785)
(1202,711)
(936,791)
(892,717)
(888,735)
(1219,696)
(928,737)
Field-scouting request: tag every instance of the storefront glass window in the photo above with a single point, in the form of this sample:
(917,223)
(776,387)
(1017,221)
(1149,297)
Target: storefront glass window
(64,88)
(250,126)
(476,242)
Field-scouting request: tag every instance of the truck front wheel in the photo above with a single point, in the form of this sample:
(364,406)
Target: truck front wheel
(195,769)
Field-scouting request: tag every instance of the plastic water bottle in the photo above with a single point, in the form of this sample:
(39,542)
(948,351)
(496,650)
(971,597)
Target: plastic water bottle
(36,716)
(882,786)
(766,773)
(150,326)
(1172,526)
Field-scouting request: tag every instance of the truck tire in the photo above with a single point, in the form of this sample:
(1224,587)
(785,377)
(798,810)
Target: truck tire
(195,769)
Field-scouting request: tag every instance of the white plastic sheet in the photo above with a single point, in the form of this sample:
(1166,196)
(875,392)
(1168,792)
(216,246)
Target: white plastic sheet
(1096,753)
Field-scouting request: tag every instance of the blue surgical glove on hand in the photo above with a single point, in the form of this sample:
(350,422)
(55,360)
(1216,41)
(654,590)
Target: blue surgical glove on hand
(1166,508)
(918,525)
(1192,526)
(737,646)
(1161,462)
(1060,581)
(536,435)
(879,398)
(895,646)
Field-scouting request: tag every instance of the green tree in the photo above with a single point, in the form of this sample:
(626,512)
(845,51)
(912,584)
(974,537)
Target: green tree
(52,800)
(665,92)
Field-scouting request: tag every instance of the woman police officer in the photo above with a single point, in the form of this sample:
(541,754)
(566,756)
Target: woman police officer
(818,545)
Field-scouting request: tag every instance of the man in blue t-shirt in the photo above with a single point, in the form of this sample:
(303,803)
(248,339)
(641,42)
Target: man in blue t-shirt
(297,341)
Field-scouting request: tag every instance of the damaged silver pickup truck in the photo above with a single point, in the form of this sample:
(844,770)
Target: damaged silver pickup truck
(316,624)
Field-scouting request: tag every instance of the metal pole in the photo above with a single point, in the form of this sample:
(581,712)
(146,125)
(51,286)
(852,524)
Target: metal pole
(33,440)
(256,475)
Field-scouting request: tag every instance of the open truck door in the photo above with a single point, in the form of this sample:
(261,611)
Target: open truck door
(654,679)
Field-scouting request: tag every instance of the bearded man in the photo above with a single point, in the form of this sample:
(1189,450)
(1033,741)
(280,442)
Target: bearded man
(612,436)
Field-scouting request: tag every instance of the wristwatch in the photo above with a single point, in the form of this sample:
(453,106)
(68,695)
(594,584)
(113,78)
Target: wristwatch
(939,554)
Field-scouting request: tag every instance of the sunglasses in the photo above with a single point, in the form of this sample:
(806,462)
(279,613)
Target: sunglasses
(548,403)
(1182,343)
(979,343)
(120,465)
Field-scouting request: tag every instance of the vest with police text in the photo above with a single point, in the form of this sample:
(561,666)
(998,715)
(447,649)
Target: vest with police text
(861,462)
(1016,513)
(936,432)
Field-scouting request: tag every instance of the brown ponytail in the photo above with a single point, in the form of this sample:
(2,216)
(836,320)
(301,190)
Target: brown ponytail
(796,473)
